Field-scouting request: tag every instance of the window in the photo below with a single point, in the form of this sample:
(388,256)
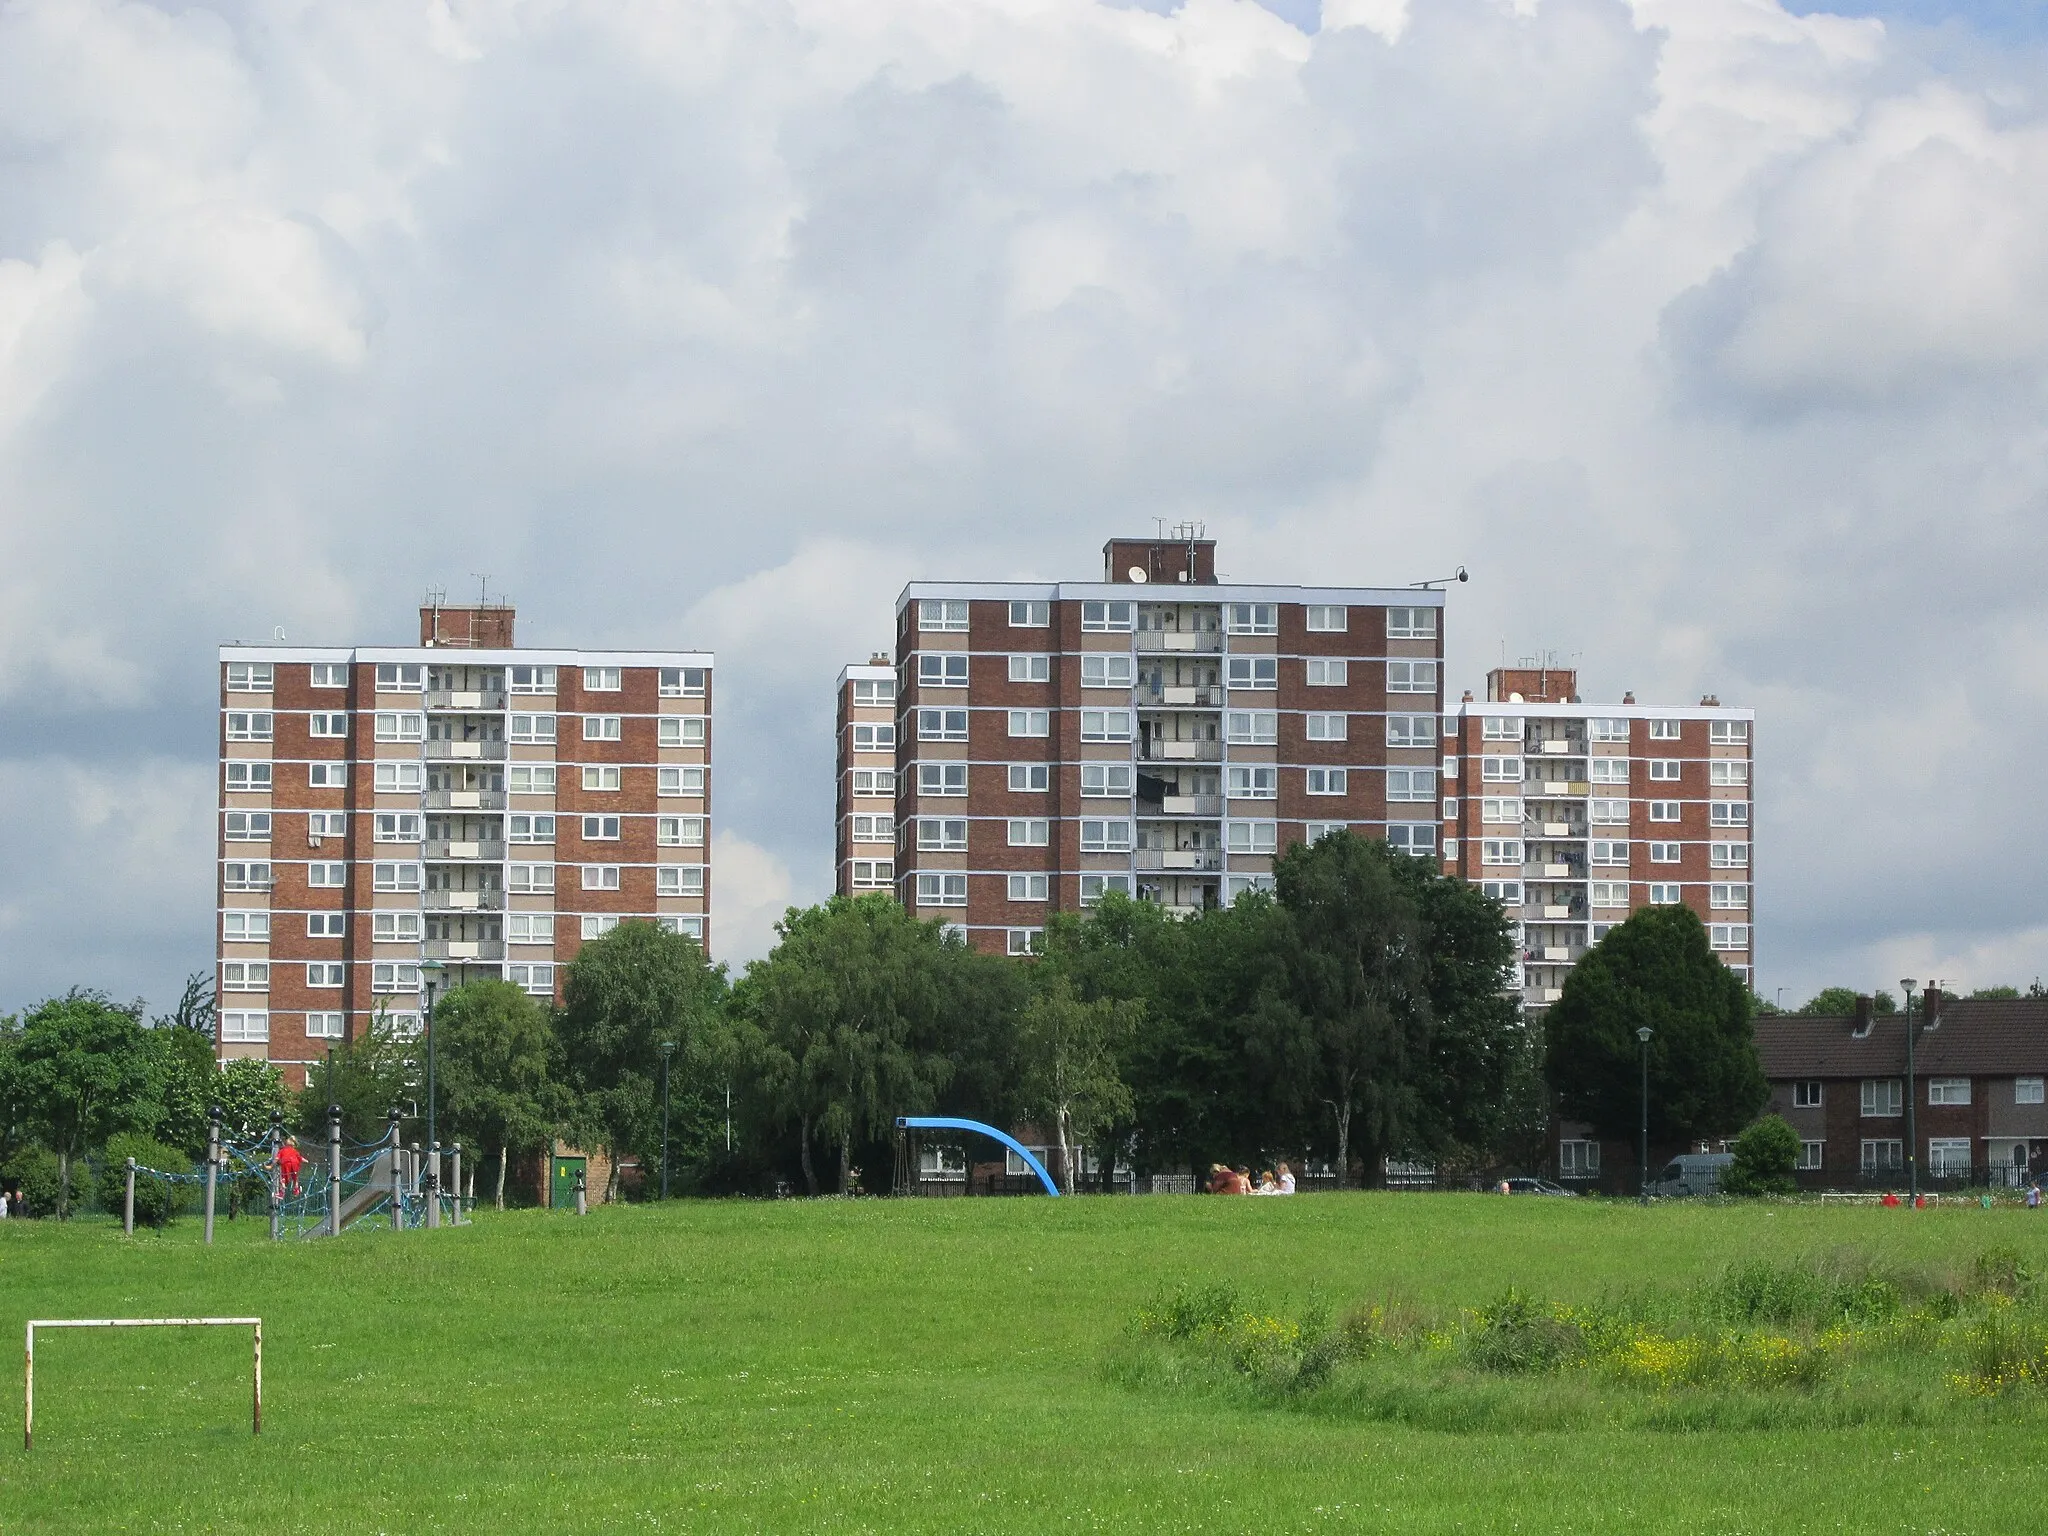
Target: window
(401,678)
(940,834)
(1948,1090)
(873,874)
(2026,1090)
(1578,1159)
(1728,896)
(1030,669)
(1024,941)
(1313,832)
(1882,1097)
(536,979)
(1031,778)
(1810,1155)
(324,1026)
(401,727)
(1501,770)
(1251,836)
(1250,783)
(1105,836)
(530,928)
(325,876)
(1252,618)
(942,778)
(1507,892)
(1664,770)
(245,927)
(1608,893)
(944,724)
(1094,887)
(601,829)
(1414,837)
(601,727)
(247,826)
(1664,853)
(1253,672)
(397,778)
(249,726)
(874,829)
(868,692)
(529,829)
(395,927)
(531,728)
(327,725)
(532,779)
(598,779)
(1501,812)
(1411,623)
(601,680)
(1028,887)
(1252,727)
(1500,850)
(249,676)
(683,682)
(1029,722)
(942,671)
(874,738)
(688,831)
(1326,672)
(874,781)
(1609,770)
(1727,733)
(335,775)
(1665,896)
(1410,783)
(933,614)
(1663,730)
(397,827)
(1663,810)
(1110,781)
(688,879)
(1948,1157)
(1807,1094)
(1333,781)
(688,730)
(1331,618)
(1411,731)
(1727,771)
(1327,727)
(249,778)
(1609,852)
(245,975)
(394,877)
(533,679)
(1100,669)
(596,927)
(1607,730)
(1728,855)
(1608,812)
(1411,677)
(1028,833)
(1882,1157)
(599,877)
(324,973)
(241,1026)
(1235,886)
(530,879)
(1030,615)
(1499,728)
(1728,813)
(942,890)
(1105,725)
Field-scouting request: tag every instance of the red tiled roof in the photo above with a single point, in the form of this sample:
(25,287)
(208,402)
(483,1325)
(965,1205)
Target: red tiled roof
(1988,1037)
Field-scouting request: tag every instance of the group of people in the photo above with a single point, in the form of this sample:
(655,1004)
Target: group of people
(1225,1180)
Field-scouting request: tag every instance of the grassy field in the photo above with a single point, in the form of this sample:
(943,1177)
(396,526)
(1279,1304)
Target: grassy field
(911,1366)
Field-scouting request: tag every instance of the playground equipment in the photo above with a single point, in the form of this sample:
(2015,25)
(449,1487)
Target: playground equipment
(28,1358)
(906,1145)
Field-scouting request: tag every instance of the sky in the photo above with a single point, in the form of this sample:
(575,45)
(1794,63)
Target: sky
(1710,335)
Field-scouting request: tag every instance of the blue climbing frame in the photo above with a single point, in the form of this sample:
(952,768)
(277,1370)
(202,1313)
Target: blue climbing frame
(947,1123)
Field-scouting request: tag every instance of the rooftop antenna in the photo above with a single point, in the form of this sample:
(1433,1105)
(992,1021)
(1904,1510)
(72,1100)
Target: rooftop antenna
(277,634)
(1438,583)
(483,588)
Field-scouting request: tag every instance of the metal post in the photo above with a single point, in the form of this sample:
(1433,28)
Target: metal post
(334,1170)
(128,1203)
(256,1374)
(274,1194)
(668,1049)
(1912,1126)
(455,1178)
(28,1389)
(1643,1188)
(433,1179)
(212,1165)
(397,1176)
(582,1206)
(433,1185)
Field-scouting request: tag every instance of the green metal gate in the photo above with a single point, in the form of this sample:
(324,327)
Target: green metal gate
(563,1172)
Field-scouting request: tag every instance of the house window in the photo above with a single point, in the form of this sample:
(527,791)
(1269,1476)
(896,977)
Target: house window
(1728,896)
(1251,836)
(1506,812)
(1664,853)
(1099,669)
(1810,1156)
(1728,733)
(1034,778)
(247,826)
(1499,728)
(532,679)
(1608,812)
(1731,936)
(1252,727)
(1607,730)
(1663,730)
(536,979)
(685,780)
(942,890)
(1031,669)
(394,877)
(1028,887)
(530,879)
(1807,1094)
(244,1026)
(683,682)
(688,879)
(324,1026)
(395,927)
(688,831)
(599,877)
(253,726)
(1507,892)
(394,976)
(1410,783)
(1663,810)
(874,829)
(326,876)
(602,679)
(1249,783)
(1609,852)
(1328,727)
(1411,677)
(1500,850)
(327,725)
(1252,618)
(244,975)
(1501,770)
(1411,731)
(942,615)
(1106,781)
(601,727)
(1029,832)
(599,779)
(532,779)
(1095,887)
(1726,771)
(245,927)
(1411,623)
(868,692)
(1235,886)
(2026,1090)
(942,778)
(1578,1159)
(249,676)
(601,829)
(1948,1090)
(529,829)
(1332,618)
(874,781)
(947,670)
(1325,672)
(1664,896)
(942,725)
(392,726)
(531,728)
(874,738)
(325,973)
(1882,1155)
(1416,838)
(1030,615)
(1664,769)
(1882,1097)
(1313,832)
(1029,722)
(397,827)
(942,834)
(530,928)
(1024,941)
(873,874)
(250,778)
(1109,617)
(595,926)
(1257,672)
(1728,813)
(1105,836)
(335,775)
(1609,770)
(1105,725)
(1333,781)
(1948,1157)
(688,730)
(394,677)
(1608,893)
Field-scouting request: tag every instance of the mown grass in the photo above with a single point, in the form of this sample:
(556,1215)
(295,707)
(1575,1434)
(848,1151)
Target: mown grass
(940,1366)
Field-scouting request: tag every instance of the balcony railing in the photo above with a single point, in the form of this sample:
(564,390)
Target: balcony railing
(1182,752)
(463,901)
(1554,912)
(482,701)
(452,848)
(1200,642)
(1191,805)
(465,949)
(465,799)
(1178,696)
(1570,869)
(1556,789)
(460,751)
(1179,858)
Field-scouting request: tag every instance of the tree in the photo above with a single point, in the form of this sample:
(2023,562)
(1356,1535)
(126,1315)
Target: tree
(1069,1051)
(1656,969)
(368,1076)
(82,1072)
(1840,1002)
(156,1200)
(1765,1156)
(624,995)
(496,1057)
(1995,992)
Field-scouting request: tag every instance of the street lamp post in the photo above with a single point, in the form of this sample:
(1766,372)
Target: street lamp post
(430,973)
(668,1049)
(1912,1120)
(1643,1188)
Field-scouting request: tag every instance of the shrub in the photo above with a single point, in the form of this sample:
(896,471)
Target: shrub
(1516,1334)
(33,1171)
(156,1200)
(1765,1156)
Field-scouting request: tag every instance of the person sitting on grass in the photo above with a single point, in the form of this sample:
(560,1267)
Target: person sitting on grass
(1286,1181)
(1219,1179)
(1268,1185)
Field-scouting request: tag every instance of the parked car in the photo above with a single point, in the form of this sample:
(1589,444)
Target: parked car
(1521,1185)
(1692,1173)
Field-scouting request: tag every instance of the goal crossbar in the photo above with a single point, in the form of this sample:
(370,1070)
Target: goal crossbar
(28,1366)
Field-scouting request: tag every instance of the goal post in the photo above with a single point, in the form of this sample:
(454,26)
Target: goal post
(28,1367)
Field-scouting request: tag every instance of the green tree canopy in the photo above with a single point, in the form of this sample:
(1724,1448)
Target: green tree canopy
(496,1060)
(1655,970)
(1765,1156)
(368,1076)
(1840,1002)
(1068,1051)
(82,1071)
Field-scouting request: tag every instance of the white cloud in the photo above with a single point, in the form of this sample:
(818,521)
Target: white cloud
(751,889)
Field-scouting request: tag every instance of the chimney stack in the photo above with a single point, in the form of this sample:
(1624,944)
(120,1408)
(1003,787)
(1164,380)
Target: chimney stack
(1864,1017)
(1628,698)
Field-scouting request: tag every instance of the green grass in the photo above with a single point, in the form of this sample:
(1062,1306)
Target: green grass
(915,1366)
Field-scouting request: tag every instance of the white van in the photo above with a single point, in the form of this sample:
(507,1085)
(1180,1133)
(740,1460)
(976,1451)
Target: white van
(1692,1173)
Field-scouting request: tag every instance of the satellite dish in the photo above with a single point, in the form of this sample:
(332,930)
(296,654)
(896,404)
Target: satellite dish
(1137,573)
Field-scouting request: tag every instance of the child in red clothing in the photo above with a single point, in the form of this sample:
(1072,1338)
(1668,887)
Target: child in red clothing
(289,1162)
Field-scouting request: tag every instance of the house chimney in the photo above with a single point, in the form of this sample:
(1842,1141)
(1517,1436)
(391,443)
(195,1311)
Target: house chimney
(1468,695)
(1864,1017)
(878,659)
(1930,1007)
(1628,698)
(1710,701)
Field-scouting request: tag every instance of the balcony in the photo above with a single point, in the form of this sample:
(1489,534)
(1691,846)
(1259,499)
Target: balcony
(1554,954)
(465,800)
(464,949)
(463,901)
(1191,805)
(466,751)
(1198,642)
(1179,858)
(1180,696)
(1547,871)
(1557,789)
(480,702)
(1555,749)
(445,848)
(1182,752)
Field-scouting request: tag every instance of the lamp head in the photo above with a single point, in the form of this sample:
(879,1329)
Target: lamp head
(1643,1034)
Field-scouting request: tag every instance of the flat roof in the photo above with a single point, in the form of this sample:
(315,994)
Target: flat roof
(456,654)
(1584,711)
(1174,592)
